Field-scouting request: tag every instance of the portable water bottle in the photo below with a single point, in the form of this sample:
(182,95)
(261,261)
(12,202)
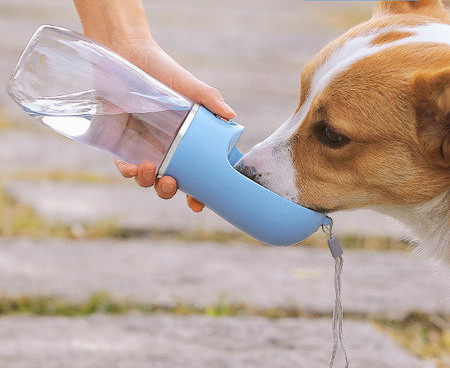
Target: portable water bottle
(92,95)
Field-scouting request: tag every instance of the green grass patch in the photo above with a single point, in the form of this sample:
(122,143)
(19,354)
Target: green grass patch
(103,303)
(203,236)
(18,219)
(60,176)
(426,336)
(318,240)
(50,306)
(353,242)
(5,124)
(373,243)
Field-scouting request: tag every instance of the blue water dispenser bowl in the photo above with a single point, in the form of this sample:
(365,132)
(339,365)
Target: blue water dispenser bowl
(92,95)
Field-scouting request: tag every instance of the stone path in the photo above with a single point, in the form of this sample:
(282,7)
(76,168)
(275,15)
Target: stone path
(141,209)
(167,272)
(36,150)
(252,52)
(189,342)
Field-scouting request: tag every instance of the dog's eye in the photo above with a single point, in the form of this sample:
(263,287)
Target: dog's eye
(326,135)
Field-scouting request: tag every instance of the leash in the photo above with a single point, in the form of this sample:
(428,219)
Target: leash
(338,312)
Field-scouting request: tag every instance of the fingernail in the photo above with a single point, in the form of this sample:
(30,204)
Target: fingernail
(228,108)
(166,188)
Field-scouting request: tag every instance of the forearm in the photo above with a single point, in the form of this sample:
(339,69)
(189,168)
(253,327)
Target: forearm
(113,22)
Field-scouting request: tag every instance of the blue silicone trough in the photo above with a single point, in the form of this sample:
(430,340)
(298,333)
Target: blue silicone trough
(202,161)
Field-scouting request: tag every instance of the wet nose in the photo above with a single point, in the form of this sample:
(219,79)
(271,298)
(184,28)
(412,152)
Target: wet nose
(249,171)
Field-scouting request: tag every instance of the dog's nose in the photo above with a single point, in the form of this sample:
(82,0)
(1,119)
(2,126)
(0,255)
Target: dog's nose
(249,171)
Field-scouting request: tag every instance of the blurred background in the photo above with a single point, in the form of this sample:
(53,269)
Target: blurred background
(97,272)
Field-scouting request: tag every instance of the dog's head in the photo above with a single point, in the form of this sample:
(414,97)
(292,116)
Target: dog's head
(373,123)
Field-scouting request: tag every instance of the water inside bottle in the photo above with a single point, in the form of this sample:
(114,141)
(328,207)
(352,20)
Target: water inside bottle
(101,124)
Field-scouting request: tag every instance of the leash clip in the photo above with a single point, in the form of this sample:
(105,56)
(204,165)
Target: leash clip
(333,243)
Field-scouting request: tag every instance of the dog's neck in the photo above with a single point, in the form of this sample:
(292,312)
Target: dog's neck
(429,224)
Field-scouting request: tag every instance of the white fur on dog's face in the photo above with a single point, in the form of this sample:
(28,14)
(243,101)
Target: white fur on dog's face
(273,161)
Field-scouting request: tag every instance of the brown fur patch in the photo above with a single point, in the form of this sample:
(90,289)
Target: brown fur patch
(381,19)
(389,37)
(375,103)
(432,106)
(371,104)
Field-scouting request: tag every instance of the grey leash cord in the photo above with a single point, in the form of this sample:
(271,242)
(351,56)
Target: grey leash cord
(338,312)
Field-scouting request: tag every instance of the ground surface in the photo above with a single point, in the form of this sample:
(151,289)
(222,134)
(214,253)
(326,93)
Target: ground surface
(252,52)
(169,272)
(178,342)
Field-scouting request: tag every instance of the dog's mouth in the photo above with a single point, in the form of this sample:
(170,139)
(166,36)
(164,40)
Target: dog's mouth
(250,172)
(320,209)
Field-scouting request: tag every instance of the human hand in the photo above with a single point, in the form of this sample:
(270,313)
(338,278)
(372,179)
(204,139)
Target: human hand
(148,56)
(123,26)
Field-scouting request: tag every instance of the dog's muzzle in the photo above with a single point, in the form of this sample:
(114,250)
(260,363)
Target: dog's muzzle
(249,171)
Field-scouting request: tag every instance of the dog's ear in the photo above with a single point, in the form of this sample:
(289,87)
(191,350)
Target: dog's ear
(431,100)
(426,7)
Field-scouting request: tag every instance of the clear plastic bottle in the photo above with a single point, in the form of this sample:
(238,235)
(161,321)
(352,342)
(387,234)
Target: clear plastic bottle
(92,95)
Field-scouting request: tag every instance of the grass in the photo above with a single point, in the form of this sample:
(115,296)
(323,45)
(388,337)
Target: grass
(103,303)
(50,306)
(18,219)
(373,243)
(426,336)
(60,176)
(353,242)
(5,124)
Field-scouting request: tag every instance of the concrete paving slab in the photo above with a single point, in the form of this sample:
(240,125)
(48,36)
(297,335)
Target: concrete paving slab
(167,272)
(191,341)
(41,151)
(139,208)
(131,206)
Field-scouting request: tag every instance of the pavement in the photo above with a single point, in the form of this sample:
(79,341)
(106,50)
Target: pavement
(382,284)
(195,341)
(253,53)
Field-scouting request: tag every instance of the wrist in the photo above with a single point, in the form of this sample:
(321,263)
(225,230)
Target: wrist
(114,23)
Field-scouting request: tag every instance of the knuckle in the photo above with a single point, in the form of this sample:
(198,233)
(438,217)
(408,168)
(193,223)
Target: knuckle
(214,92)
(124,173)
(140,182)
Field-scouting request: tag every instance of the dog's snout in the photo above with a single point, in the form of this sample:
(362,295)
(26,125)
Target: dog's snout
(249,171)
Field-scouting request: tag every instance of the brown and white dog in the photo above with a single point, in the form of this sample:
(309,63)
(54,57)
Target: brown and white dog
(373,125)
